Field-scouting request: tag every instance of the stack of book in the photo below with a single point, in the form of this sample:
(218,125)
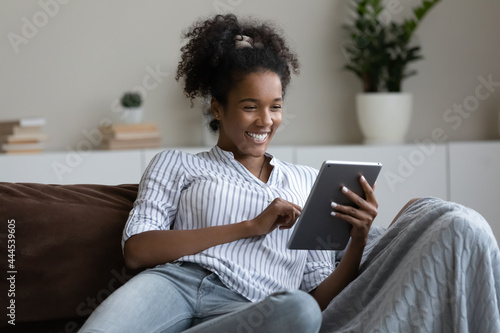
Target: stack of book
(130,136)
(23,135)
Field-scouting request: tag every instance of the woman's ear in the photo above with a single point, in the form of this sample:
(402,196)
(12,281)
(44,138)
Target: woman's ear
(215,108)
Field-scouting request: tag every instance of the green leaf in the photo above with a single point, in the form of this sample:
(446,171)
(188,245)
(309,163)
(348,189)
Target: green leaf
(379,54)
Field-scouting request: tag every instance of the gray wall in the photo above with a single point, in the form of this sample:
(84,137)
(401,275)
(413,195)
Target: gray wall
(70,61)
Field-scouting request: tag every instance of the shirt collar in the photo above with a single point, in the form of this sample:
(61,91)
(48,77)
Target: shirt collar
(228,157)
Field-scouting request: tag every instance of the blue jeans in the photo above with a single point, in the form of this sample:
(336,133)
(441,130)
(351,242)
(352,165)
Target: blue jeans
(184,297)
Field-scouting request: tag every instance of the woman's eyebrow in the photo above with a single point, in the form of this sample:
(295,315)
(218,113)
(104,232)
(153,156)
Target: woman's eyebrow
(254,100)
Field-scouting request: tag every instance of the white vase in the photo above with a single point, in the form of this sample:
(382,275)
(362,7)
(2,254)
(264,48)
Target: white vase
(132,115)
(384,118)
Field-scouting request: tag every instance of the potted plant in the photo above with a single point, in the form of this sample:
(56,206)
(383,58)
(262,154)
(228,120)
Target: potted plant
(132,111)
(379,53)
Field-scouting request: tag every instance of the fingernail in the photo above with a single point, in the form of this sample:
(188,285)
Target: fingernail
(344,189)
(363,178)
(333,204)
(332,214)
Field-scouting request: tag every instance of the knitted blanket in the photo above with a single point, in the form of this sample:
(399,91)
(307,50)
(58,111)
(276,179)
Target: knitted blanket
(437,269)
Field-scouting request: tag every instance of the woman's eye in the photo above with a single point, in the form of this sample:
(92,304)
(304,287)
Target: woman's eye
(250,108)
(276,107)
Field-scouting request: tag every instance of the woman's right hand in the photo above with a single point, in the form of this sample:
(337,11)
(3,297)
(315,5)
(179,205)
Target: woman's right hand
(280,213)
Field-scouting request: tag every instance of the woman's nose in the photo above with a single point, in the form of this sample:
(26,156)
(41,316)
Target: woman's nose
(265,118)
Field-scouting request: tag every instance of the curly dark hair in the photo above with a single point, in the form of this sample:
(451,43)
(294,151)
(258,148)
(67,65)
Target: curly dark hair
(210,61)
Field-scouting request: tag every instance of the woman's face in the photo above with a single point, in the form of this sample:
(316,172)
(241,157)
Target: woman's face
(252,114)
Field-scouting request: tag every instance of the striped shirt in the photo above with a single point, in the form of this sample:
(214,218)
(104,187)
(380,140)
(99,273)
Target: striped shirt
(184,191)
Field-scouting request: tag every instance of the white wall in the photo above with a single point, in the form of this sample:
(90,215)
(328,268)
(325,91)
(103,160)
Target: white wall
(84,54)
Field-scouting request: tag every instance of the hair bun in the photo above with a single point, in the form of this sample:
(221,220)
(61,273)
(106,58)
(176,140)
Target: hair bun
(243,41)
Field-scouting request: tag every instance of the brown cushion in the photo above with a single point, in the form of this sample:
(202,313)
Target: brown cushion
(68,254)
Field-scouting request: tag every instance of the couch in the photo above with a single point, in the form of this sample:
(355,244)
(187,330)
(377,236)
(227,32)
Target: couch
(60,252)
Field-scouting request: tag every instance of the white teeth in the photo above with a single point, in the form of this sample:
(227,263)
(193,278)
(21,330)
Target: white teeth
(258,137)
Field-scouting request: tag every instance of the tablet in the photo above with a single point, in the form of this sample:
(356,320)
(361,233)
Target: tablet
(316,228)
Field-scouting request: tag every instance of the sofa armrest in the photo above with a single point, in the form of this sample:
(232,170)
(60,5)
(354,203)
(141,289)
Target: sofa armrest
(67,240)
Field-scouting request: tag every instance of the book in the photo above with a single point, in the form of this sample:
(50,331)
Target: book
(15,130)
(22,151)
(131,144)
(23,135)
(21,147)
(24,138)
(122,128)
(23,122)
(130,136)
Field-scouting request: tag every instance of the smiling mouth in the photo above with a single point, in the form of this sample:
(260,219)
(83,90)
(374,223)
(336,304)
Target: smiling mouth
(258,137)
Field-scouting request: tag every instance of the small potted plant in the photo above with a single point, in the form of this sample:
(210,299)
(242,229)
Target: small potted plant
(379,53)
(132,111)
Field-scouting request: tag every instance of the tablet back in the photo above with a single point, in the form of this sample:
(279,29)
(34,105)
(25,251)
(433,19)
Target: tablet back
(316,228)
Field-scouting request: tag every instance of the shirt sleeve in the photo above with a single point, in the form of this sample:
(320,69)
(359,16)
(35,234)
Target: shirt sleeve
(158,196)
(319,266)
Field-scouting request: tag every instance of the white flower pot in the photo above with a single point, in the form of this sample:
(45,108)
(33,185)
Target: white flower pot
(132,115)
(384,118)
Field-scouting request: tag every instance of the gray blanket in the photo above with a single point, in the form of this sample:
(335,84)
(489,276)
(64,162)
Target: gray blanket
(437,269)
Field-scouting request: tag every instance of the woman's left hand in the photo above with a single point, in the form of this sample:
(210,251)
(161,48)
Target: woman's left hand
(360,216)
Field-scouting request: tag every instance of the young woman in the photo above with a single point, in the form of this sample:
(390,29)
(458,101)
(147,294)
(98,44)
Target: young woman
(212,228)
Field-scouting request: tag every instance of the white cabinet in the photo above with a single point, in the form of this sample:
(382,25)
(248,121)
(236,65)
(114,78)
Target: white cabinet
(408,171)
(94,167)
(475,178)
